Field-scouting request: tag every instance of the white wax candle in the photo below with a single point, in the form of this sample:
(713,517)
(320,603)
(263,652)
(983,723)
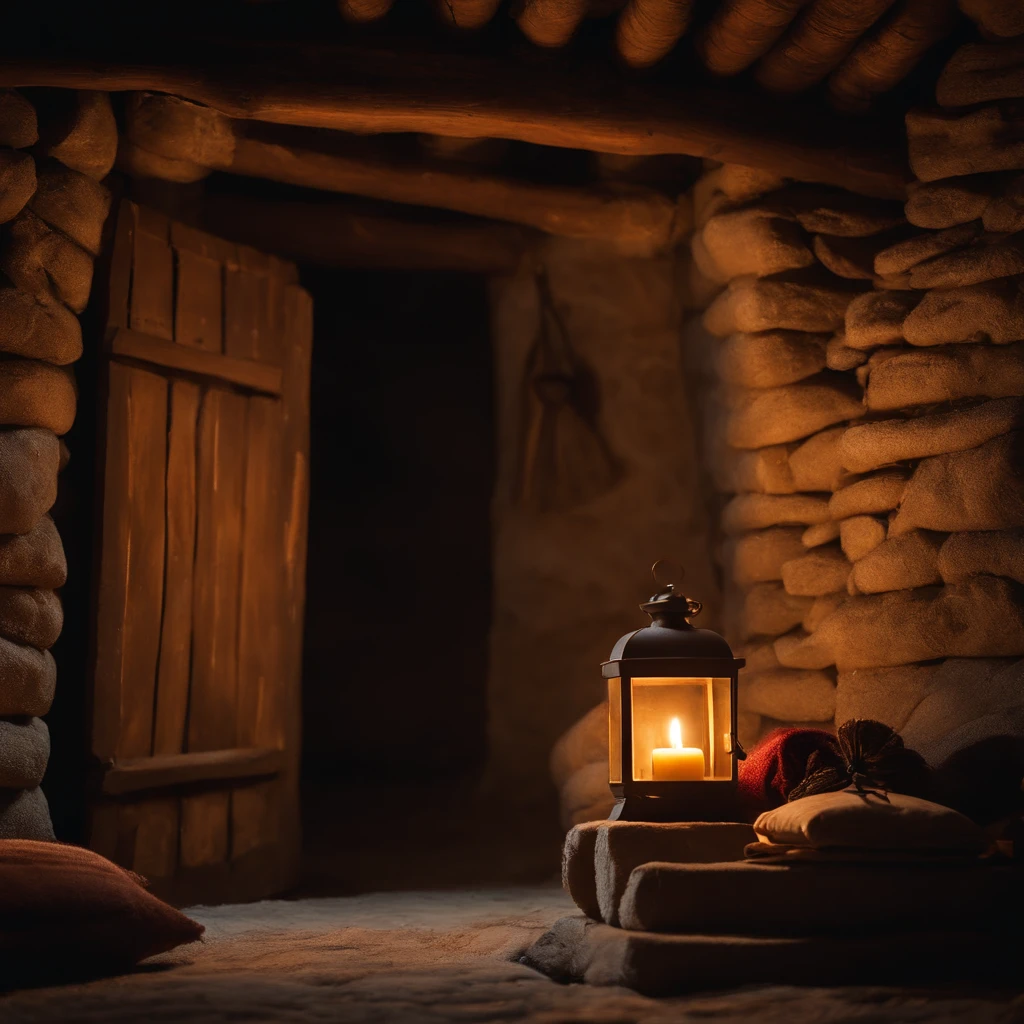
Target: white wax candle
(677,763)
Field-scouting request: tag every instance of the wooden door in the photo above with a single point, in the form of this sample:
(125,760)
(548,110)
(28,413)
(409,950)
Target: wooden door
(198,611)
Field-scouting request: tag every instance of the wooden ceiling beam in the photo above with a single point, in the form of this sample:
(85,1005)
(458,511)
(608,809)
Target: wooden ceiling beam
(364,91)
(334,235)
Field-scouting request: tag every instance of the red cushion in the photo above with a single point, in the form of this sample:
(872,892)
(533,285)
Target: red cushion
(64,903)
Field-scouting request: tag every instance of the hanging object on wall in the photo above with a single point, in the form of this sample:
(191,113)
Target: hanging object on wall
(564,460)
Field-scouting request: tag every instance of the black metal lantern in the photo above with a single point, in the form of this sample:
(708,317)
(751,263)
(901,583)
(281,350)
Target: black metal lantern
(672,745)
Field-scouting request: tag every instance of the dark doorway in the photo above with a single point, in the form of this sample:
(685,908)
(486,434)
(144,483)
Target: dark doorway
(399,572)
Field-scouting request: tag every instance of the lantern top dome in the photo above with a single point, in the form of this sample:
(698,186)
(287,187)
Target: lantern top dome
(670,634)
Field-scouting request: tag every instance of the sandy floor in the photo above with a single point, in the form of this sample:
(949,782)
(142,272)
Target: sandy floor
(430,957)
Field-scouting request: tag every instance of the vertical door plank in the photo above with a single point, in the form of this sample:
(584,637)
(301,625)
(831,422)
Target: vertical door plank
(204,829)
(156,837)
(152,291)
(255,821)
(174,667)
(120,275)
(244,310)
(198,307)
(261,630)
(220,488)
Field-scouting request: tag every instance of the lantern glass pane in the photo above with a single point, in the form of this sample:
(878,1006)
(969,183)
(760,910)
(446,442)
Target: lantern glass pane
(681,729)
(614,731)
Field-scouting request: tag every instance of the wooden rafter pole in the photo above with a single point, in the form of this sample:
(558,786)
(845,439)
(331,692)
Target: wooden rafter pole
(363,91)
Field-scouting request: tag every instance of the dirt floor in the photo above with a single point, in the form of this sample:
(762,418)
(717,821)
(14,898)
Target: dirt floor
(448,956)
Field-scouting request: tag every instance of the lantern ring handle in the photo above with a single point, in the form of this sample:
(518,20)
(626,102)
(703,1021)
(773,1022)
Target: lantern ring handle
(693,607)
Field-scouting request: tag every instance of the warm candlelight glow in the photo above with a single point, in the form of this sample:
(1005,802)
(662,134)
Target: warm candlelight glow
(677,763)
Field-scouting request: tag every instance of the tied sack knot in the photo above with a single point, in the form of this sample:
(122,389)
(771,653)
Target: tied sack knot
(873,761)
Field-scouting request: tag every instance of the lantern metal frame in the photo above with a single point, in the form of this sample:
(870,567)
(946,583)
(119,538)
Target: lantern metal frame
(670,647)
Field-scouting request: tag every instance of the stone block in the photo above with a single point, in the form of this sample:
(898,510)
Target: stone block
(25,814)
(877,493)
(901,562)
(28,474)
(912,252)
(77,127)
(758,556)
(887,695)
(823,607)
(989,258)
(24,751)
(758,511)
(946,144)
(30,615)
(36,394)
(992,552)
(875,319)
(767,610)
(793,695)
(17,183)
(815,464)
(859,535)
(578,877)
(769,359)
(839,355)
(824,570)
(18,125)
(992,311)
(38,329)
(73,203)
(820,533)
(752,241)
(951,201)
(982,72)
(33,559)
(28,678)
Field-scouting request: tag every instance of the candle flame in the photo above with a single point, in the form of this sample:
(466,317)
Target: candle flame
(675,734)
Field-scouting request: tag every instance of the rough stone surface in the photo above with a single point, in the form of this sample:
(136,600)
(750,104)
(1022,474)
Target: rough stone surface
(943,204)
(769,416)
(17,183)
(979,489)
(791,695)
(27,680)
(45,264)
(821,533)
(839,355)
(912,252)
(18,125)
(25,814)
(868,446)
(944,144)
(757,511)
(37,329)
(33,559)
(36,394)
(72,203)
(860,535)
(758,556)
(987,259)
(887,695)
(982,72)
(946,374)
(992,552)
(824,570)
(569,575)
(578,877)
(760,657)
(983,617)
(875,319)
(815,464)
(904,561)
(78,129)
(768,611)
(751,241)
(769,359)
(874,494)
(624,845)
(24,751)
(30,615)
(820,610)
(992,311)
(28,476)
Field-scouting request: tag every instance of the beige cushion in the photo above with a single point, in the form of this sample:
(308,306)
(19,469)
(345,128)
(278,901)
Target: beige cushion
(849,819)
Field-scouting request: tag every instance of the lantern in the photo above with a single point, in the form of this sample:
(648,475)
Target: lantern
(672,746)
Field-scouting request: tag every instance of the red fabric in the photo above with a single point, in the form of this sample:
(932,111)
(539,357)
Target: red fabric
(778,764)
(63,903)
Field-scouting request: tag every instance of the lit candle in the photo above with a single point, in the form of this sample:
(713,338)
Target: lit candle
(677,763)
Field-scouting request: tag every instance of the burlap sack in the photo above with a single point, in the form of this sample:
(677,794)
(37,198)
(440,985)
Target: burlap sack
(38,329)
(769,359)
(767,610)
(909,560)
(583,743)
(839,355)
(44,263)
(944,144)
(946,374)
(30,615)
(24,751)
(821,571)
(943,204)
(815,464)
(979,489)
(823,607)
(790,695)
(17,183)
(25,814)
(875,319)
(987,259)
(751,241)
(36,394)
(992,552)
(854,258)
(825,210)
(992,311)
(763,470)
(910,253)
(18,125)
(875,494)
(759,655)
(28,477)
(961,690)
(758,557)
(887,695)
(1005,212)
(860,535)
(983,617)
(758,511)
(820,533)
(769,416)
(77,127)
(33,559)
(795,301)
(981,72)
(28,678)
(73,203)
(867,446)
